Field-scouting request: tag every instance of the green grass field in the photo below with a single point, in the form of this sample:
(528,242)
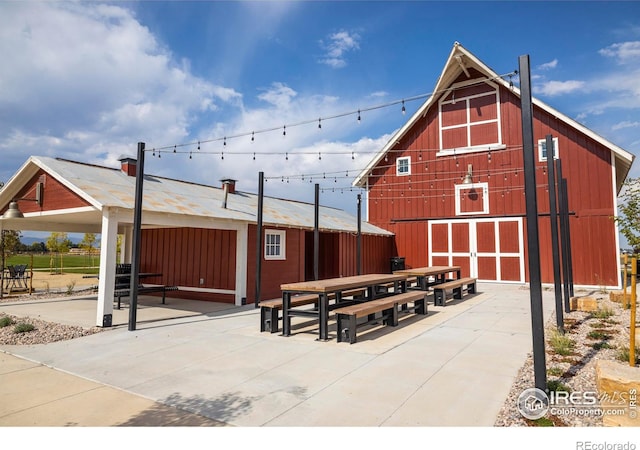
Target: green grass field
(70,263)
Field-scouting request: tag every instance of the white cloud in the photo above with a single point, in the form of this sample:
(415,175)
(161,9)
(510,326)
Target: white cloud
(338,45)
(553,88)
(279,95)
(549,65)
(89,79)
(625,124)
(624,52)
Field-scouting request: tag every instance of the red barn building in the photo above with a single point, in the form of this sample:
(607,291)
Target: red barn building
(450,183)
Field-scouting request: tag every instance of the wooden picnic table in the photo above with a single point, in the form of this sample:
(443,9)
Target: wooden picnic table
(324,288)
(424,273)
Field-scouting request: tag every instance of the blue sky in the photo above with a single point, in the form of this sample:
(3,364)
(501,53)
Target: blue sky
(88,80)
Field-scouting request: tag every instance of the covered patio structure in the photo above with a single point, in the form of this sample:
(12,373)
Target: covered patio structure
(201,238)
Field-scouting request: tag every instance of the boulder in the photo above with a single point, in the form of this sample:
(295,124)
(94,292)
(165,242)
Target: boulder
(583,304)
(618,387)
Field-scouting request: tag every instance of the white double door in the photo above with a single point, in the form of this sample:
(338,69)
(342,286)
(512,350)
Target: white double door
(489,249)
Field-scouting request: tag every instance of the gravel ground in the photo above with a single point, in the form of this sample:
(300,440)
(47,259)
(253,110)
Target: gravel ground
(595,338)
(43,332)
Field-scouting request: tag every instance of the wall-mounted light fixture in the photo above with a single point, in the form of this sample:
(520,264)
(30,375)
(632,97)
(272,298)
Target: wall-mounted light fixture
(467,177)
(14,211)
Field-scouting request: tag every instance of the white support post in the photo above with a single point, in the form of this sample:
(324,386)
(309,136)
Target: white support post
(109,236)
(242,247)
(127,245)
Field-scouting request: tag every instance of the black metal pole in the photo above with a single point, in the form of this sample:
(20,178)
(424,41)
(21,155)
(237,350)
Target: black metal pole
(565,194)
(137,236)
(259,237)
(316,235)
(563,239)
(359,238)
(3,261)
(537,320)
(553,218)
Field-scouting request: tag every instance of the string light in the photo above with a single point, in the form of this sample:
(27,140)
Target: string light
(404,110)
(359,119)
(319,123)
(344,114)
(253,138)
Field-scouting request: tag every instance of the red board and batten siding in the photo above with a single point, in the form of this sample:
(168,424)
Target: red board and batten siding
(275,272)
(186,255)
(55,195)
(405,204)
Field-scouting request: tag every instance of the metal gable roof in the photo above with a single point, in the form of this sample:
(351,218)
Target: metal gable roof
(460,57)
(107,187)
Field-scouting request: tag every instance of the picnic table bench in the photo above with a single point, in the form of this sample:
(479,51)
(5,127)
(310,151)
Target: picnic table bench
(456,286)
(122,284)
(142,289)
(270,309)
(347,317)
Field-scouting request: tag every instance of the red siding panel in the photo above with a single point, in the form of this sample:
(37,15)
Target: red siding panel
(176,253)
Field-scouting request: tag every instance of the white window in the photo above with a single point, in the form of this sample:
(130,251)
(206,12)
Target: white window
(542,149)
(469,118)
(274,244)
(403,166)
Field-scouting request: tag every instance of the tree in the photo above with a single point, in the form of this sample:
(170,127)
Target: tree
(629,213)
(38,247)
(57,243)
(88,240)
(11,241)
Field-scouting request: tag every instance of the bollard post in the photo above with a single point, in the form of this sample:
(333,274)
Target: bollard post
(632,320)
(624,282)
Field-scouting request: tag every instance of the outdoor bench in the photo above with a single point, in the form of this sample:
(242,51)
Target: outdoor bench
(388,306)
(270,309)
(142,289)
(457,286)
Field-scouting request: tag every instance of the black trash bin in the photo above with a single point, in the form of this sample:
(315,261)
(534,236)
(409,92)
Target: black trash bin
(397,263)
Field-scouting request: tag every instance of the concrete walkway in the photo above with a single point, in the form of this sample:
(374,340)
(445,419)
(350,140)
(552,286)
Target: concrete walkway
(453,367)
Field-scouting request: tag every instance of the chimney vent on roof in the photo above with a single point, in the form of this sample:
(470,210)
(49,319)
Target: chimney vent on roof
(128,166)
(229,187)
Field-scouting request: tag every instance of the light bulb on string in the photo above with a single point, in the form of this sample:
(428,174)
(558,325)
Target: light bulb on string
(222,155)
(224,142)
(174,148)
(159,155)
(319,156)
(352,156)
(253,136)
(284,130)
(190,155)
(404,110)
(319,123)
(198,145)
(254,156)
(286,156)
(359,118)
(153,153)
